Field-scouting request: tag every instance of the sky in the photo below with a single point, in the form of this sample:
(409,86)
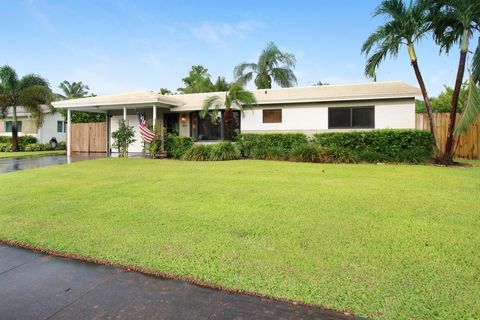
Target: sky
(119,46)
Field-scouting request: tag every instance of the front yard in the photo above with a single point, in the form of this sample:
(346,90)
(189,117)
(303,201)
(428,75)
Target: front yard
(383,241)
(30,153)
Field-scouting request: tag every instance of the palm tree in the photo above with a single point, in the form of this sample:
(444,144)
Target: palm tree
(454,22)
(221,84)
(198,80)
(273,66)
(73,90)
(404,26)
(31,92)
(236,98)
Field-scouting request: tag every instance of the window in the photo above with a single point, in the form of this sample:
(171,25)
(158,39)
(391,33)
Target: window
(8,126)
(61,127)
(344,118)
(272,116)
(205,130)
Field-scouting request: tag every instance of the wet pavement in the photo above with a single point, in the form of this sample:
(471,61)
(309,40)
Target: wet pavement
(24,163)
(39,286)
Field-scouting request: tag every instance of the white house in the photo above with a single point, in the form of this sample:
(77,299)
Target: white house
(365,106)
(54,125)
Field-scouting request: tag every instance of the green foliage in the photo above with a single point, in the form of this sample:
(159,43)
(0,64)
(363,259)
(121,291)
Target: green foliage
(62,145)
(123,137)
(472,108)
(307,152)
(176,146)
(198,80)
(22,142)
(198,152)
(443,102)
(269,153)
(311,152)
(38,147)
(392,145)
(248,143)
(5,146)
(84,117)
(224,151)
(157,147)
(73,90)
(273,65)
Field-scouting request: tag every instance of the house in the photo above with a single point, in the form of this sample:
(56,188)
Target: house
(54,125)
(366,106)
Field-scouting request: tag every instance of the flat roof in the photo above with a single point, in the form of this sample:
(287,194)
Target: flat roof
(185,102)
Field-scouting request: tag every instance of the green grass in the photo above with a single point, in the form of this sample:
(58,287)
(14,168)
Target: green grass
(30,153)
(383,241)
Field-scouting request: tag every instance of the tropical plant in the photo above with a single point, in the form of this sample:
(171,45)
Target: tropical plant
(31,92)
(443,102)
(235,98)
(198,80)
(454,22)
(76,90)
(123,137)
(273,65)
(221,84)
(73,90)
(405,25)
(321,84)
(472,108)
(165,91)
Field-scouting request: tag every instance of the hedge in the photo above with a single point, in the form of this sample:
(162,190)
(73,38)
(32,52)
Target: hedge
(381,145)
(254,143)
(177,146)
(23,141)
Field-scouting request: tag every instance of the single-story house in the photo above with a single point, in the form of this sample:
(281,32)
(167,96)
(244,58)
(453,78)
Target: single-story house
(365,106)
(54,125)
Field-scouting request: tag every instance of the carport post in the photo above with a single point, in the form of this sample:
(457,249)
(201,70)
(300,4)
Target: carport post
(69,132)
(125,113)
(154,117)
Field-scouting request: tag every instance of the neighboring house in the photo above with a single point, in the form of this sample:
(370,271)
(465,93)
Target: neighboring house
(53,125)
(376,105)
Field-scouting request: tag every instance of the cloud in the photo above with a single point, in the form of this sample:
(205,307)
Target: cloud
(218,33)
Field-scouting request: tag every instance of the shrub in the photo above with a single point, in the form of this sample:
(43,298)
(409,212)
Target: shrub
(177,146)
(305,153)
(341,155)
(123,137)
(270,142)
(224,151)
(269,153)
(5,147)
(313,153)
(371,156)
(198,152)
(62,145)
(22,141)
(392,145)
(38,147)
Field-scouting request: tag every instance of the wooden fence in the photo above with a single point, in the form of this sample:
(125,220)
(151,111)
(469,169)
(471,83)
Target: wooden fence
(468,144)
(89,137)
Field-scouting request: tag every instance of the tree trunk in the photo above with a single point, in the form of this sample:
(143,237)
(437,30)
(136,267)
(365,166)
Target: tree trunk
(14,130)
(426,99)
(228,119)
(450,144)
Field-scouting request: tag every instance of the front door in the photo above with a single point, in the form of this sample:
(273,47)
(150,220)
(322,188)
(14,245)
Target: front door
(171,123)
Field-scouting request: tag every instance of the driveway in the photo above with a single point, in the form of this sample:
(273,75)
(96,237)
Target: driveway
(39,286)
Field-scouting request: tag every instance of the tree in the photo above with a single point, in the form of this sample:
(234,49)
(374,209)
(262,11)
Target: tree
(123,137)
(273,65)
(165,91)
(73,90)
(443,102)
(453,23)
(404,26)
(76,90)
(472,108)
(198,80)
(321,83)
(236,98)
(31,92)
(221,84)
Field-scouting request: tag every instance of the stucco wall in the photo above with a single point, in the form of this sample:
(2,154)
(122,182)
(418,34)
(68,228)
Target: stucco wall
(311,118)
(49,128)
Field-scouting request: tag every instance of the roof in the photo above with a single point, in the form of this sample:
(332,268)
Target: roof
(132,98)
(185,102)
(328,93)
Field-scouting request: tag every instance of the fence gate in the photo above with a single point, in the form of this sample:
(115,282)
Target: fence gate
(89,137)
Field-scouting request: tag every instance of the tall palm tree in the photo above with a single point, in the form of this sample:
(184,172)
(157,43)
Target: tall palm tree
(31,92)
(198,80)
(73,90)
(405,25)
(454,22)
(273,65)
(236,98)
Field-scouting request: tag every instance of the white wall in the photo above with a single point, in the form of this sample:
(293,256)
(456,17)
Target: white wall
(49,128)
(137,146)
(397,114)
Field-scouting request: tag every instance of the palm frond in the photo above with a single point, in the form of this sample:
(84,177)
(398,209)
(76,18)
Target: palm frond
(240,70)
(394,8)
(476,65)
(472,109)
(8,78)
(211,104)
(32,98)
(30,80)
(284,77)
(4,105)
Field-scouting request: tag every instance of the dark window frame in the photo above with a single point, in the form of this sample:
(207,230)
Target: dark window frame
(19,125)
(195,116)
(351,117)
(281,115)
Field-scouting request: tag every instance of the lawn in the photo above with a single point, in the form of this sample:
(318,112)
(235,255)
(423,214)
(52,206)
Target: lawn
(30,153)
(383,241)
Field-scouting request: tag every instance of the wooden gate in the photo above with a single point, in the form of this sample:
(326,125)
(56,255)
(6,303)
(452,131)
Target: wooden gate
(468,143)
(89,137)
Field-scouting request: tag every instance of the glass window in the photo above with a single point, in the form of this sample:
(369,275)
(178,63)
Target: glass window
(60,127)
(272,116)
(344,118)
(208,129)
(8,126)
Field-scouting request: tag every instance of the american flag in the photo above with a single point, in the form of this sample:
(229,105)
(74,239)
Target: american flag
(146,134)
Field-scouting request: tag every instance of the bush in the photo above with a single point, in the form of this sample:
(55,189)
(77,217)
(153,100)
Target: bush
(5,147)
(388,145)
(269,153)
(313,153)
(38,147)
(198,152)
(177,146)
(305,153)
(268,143)
(22,141)
(224,151)
(62,145)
